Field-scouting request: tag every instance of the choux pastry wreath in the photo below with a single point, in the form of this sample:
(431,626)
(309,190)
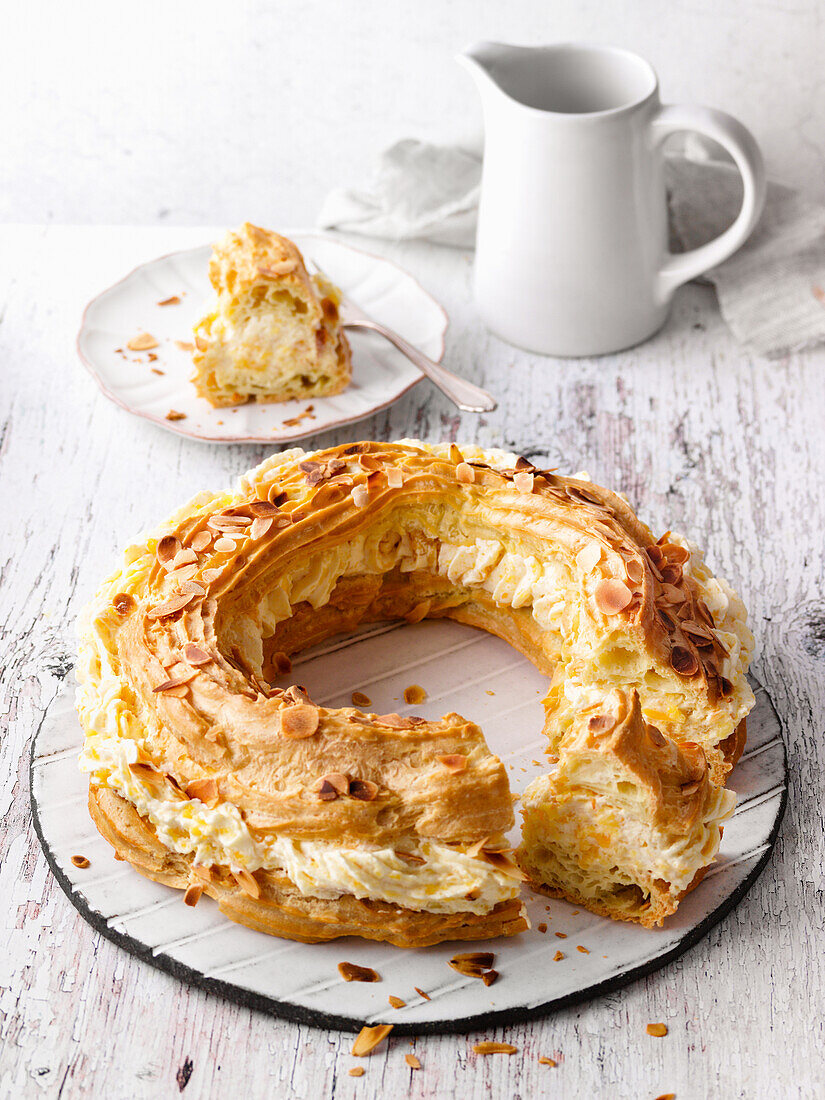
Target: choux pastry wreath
(312,822)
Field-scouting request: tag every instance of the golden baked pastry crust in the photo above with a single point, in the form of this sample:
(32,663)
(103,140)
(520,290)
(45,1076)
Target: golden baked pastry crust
(179,649)
(274,332)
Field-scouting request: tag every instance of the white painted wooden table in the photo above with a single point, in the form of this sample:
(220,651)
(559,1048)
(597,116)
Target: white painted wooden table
(697,435)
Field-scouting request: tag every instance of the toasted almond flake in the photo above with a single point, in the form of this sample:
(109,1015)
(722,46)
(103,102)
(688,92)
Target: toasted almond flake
(356,1071)
(206,790)
(503,863)
(81,862)
(192,588)
(395,478)
(201,344)
(412,1061)
(123,603)
(484,959)
(547,1061)
(656,736)
(193,894)
(414,694)
(523,482)
(465,473)
(177,682)
(612,596)
(667,1096)
(559,955)
(167,549)
(658,1031)
(396,1002)
(299,721)
(360,496)
(202,872)
(683,661)
(200,541)
(184,573)
(224,545)
(589,556)
(369,1038)
(171,606)
(260,527)
(494,1048)
(561,935)
(584,950)
(455,454)
(184,557)
(248,883)
(454,762)
(542,927)
(410,857)
(363,790)
(142,342)
(490,978)
(329,787)
(195,655)
(172,300)
(278,267)
(672,595)
(173,414)
(601,723)
(421,993)
(634,570)
(352,972)
(209,575)
(185,345)
(359,699)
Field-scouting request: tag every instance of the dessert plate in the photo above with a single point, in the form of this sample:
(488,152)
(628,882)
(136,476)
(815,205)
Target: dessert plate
(477,675)
(154,382)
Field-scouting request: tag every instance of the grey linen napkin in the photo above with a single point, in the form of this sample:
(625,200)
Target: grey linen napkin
(771,292)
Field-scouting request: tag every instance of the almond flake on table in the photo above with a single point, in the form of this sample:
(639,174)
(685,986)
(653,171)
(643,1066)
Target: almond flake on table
(142,342)
(547,1061)
(368,1038)
(173,414)
(494,1048)
(658,1031)
(185,345)
(412,1061)
(171,301)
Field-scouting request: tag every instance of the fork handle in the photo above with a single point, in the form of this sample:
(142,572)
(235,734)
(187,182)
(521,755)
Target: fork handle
(465,395)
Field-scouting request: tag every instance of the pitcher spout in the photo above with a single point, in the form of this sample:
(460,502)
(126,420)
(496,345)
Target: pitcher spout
(489,64)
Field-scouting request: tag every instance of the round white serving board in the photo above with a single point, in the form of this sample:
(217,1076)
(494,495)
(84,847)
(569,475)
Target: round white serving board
(483,678)
(380,373)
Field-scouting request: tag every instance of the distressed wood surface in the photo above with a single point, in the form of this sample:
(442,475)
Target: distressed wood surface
(699,437)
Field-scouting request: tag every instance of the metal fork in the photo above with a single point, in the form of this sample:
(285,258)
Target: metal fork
(464,394)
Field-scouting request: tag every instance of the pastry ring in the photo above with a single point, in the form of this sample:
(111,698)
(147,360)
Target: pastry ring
(312,822)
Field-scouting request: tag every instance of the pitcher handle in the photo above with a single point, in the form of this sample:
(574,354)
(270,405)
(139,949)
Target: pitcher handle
(740,143)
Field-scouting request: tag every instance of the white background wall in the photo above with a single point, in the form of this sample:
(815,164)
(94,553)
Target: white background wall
(198,112)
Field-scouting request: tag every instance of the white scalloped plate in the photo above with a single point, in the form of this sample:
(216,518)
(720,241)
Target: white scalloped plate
(380,373)
(458,667)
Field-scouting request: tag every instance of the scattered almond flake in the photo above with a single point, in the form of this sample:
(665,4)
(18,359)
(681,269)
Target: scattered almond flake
(410,857)
(179,681)
(542,927)
(200,541)
(369,1038)
(299,721)
(359,699)
(584,950)
(173,414)
(81,862)
(489,693)
(206,790)
(465,473)
(167,548)
(547,1061)
(156,371)
(502,862)
(172,300)
(397,722)
(561,935)
(202,872)
(455,454)
(494,1048)
(209,575)
(395,478)
(412,1061)
(575,913)
(278,267)
(248,883)
(260,527)
(223,545)
(484,959)
(601,723)
(559,955)
(658,1031)
(414,694)
(453,761)
(184,557)
(184,573)
(192,588)
(185,345)
(352,972)
(589,556)
(490,978)
(360,496)
(201,344)
(667,1096)
(612,596)
(396,1002)
(421,993)
(683,661)
(523,482)
(170,606)
(363,790)
(356,1071)
(635,571)
(123,603)
(142,342)
(193,894)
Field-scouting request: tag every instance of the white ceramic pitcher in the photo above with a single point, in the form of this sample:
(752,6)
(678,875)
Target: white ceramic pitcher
(572,248)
